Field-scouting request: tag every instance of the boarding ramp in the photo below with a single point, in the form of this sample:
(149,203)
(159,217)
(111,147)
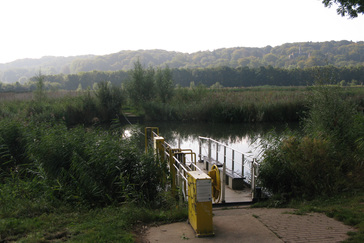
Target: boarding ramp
(237,171)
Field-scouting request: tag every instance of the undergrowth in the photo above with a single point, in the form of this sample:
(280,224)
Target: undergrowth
(64,179)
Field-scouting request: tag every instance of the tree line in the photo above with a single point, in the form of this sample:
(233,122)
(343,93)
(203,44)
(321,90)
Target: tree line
(290,55)
(208,77)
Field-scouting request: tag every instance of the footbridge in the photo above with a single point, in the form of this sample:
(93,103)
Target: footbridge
(233,174)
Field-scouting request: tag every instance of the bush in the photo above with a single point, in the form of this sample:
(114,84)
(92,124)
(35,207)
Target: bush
(327,159)
(303,167)
(110,99)
(331,116)
(82,110)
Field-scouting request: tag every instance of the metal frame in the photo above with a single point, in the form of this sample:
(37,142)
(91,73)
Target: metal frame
(245,160)
(176,161)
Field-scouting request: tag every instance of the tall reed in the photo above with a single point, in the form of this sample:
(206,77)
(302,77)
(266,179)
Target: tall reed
(230,105)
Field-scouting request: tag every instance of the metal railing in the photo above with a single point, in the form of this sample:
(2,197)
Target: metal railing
(254,177)
(233,162)
(181,161)
(234,159)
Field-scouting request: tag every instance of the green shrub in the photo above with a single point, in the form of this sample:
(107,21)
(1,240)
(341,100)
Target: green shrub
(303,167)
(160,111)
(331,116)
(110,100)
(327,159)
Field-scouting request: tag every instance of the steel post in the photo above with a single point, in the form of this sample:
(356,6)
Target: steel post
(232,160)
(217,152)
(242,164)
(209,149)
(223,178)
(200,149)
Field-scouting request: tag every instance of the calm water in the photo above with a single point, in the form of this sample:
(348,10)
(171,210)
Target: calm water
(244,138)
(241,137)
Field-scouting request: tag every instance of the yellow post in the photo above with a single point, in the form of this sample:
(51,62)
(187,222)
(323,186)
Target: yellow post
(200,203)
(159,147)
(146,135)
(193,156)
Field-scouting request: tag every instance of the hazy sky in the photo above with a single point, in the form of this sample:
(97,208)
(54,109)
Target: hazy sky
(36,28)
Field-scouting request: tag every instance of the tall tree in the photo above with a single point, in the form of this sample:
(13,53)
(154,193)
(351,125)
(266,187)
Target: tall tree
(39,93)
(141,86)
(347,7)
(164,83)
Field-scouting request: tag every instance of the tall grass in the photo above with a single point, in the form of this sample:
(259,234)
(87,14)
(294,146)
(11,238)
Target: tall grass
(87,166)
(88,107)
(230,105)
(75,179)
(53,167)
(248,105)
(13,157)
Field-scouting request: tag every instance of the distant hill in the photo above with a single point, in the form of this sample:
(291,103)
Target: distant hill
(289,55)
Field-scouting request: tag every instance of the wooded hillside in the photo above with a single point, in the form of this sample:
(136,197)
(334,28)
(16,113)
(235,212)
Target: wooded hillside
(287,56)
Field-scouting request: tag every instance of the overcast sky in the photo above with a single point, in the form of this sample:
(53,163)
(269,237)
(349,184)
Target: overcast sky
(36,28)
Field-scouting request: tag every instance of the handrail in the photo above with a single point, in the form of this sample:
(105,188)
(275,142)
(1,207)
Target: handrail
(254,177)
(253,163)
(213,140)
(233,159)
(175,159)
(180,166)
(146,135)
(198,168)
(180,173)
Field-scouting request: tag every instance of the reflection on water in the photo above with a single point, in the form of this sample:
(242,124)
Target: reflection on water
(241,137)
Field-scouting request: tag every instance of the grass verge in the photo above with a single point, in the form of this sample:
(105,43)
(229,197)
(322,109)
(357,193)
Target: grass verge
(109,224)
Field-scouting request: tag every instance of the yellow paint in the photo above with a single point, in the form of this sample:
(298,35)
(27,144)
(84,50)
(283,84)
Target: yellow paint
(214,173)
(200,203)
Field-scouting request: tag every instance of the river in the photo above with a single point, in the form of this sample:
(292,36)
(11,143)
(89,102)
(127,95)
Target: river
(239,136)
(243,138)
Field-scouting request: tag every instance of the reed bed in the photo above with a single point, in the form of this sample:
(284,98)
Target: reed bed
(230,105)
(26,96)
(250,105)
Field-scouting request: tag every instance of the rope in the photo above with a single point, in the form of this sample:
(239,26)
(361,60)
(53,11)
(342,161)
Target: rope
(126,118)
(130,123)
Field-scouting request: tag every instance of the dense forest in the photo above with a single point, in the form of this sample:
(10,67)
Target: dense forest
(284,57)
(217,77)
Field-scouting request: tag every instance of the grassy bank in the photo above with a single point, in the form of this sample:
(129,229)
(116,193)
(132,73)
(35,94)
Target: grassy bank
(123,223)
